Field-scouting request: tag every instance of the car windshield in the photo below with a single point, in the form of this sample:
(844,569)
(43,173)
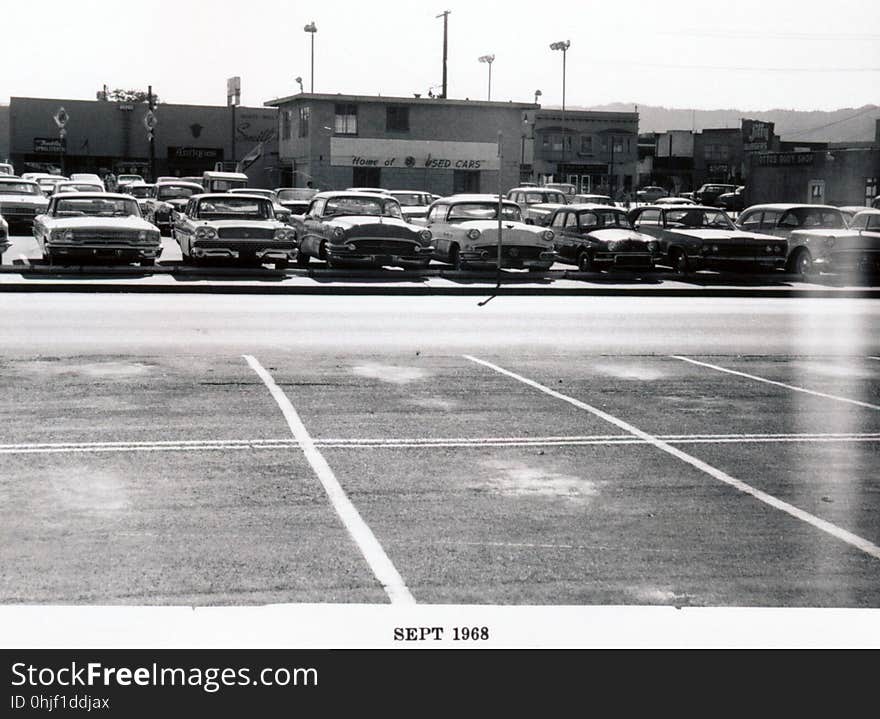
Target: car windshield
(410,199)
(19,188)
(49,180)
(533,198)
(354,205)
(811,218)
(96,207)
(300,195)
(234,208)
(601,218)
(484,211)
(225,185)
(177,192)
(140,191)
(595,199)
(129,178)
(249,191)
(698,218)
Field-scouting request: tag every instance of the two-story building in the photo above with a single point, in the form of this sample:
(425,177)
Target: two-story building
(596,151)
(438,145)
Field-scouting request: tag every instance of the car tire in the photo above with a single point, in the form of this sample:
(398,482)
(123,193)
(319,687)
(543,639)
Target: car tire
(679,261)
(148,262)
(281,264)
(322,252)
(302,259)
(801,263)
(584,262)
(455,257)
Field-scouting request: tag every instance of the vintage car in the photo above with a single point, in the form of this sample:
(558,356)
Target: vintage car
(238,227)
(281,212)
(732,201)
(360,228)
(695,237)
(169,196)
(413,203)
(295,199)
(48,184)
(585,199)
(4,234)
(566,188)
(650,194)
(367,189)
(142,192)
(20,202)
(96,225)
(597,237)
(855,249)
(216,181)
(709,193)
(537,203)
(7,169)
(850,211)
(783,219)
(465,229)
(122,181)
(88,177)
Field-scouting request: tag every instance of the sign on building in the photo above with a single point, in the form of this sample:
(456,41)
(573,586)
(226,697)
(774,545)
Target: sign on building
(784,159)
(756,135)
(49,145)
(413,154)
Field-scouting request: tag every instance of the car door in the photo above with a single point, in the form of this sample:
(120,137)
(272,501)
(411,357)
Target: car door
(435,221)
(183,227)
(562,240)
(313,234)
(648,222)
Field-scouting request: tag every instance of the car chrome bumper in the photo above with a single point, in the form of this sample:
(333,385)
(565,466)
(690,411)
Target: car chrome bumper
(110,249)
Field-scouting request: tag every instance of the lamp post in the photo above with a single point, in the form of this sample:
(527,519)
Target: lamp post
(299,81)
(488,59)
(445,16)
(538,94)
(311,28)
(562,45)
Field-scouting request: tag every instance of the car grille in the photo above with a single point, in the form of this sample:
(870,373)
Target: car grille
(246,233)
(385,247)
(516,252)
(106,236)
(17,211)
(633,260)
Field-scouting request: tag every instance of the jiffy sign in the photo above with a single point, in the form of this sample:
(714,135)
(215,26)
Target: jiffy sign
(413,154)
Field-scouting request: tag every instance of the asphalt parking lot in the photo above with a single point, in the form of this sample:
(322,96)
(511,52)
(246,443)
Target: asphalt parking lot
(431,453)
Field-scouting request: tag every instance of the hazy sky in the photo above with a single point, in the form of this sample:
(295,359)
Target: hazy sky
(748,54)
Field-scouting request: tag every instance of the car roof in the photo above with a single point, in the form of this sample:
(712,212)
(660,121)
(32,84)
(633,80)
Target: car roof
(9,179)
(217,175)
(97,195)
(536,189)
(185,183)
(591,206)
(788,206)
(409,192)
(473,197)
(679,207)
(236,195)
(868,211)
(349,193)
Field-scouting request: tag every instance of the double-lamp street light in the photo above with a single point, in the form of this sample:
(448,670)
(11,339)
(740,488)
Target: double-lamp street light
(488,59)
(311,28)
(562,45)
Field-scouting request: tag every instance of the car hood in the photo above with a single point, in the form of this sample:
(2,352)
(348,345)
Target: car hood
(716,235)
(110,223)
(483,225)
(370,222)
(620,235)
(218,224)
(24,200)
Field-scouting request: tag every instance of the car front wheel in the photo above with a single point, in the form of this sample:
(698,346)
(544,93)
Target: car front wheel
(802,263)
(585,262)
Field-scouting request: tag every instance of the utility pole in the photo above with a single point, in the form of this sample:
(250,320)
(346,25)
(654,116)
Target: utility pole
(152,138)
(611,172)
(445,16)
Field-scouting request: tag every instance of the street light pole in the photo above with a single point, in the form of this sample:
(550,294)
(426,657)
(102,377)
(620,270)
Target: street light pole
(488,59)
(311,28)
(445,16)
(562,45)
(152,138)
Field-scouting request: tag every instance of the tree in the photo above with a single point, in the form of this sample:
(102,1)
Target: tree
(119,95)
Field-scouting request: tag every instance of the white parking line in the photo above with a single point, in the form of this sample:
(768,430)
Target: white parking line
(778,384)
(360,532)
(425,443)
(852,539)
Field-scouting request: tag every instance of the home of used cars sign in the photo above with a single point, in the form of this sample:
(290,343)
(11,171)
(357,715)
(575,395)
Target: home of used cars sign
(413,154)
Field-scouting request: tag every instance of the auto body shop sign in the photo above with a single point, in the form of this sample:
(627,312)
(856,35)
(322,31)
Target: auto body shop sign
(413,154)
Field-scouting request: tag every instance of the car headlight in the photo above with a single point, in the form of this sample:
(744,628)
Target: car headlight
(206,233)
(547,235)
(474,234)
(653,247)
(283,234)
(68,236)
(768,248)
(339,233)
(777,249)
(142,235)
(714,248)
(425,235)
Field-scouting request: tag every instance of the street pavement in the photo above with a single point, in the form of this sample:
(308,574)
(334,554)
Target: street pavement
(162,449)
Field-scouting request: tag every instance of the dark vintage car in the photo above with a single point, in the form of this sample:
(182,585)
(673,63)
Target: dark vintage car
(20,202)
(694,237)
(597,237)
(537,203)
(709,193)
(651,193)
(360,228)
(785,219)
(853,250)
(238,227)
(732,201)
(168,197)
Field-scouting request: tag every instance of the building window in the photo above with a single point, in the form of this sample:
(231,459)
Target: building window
(716,152)
(346,120)
(285,124)
(304,114)
(397,119)
(587,144)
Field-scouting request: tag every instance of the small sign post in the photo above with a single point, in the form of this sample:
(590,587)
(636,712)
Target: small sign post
(61,117)
(233,98)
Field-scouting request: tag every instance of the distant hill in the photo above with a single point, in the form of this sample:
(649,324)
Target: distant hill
(844,125)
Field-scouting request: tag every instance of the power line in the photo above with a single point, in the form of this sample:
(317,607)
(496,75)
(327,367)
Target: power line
(836,122)
(720,68)
(768,36)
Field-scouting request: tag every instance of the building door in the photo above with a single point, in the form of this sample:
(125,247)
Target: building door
(465,181)
(366,177)
(573,180)
(816,192)
(586,185)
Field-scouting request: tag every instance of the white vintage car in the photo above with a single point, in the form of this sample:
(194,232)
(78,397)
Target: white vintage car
(168,196)
(233,226)
(854,249)
(20,201)
(96,226)
(413,203)
(465,231)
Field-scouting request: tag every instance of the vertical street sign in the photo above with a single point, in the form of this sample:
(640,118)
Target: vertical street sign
(233,98)
(61,117)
